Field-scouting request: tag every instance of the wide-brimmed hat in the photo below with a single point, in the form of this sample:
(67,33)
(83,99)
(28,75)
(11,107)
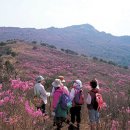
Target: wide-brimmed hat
(57,83)
(39,78)
(61,78)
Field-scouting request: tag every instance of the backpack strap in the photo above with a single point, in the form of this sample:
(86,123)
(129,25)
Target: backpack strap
(64,90)
(77,90)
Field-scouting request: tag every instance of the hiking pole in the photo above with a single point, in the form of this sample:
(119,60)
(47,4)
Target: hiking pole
(50,106)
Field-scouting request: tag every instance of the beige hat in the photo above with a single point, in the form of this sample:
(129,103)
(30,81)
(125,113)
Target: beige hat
(57,83)
(61,78)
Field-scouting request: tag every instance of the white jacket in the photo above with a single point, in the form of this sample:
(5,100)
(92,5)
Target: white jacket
(72,94)
(40,90)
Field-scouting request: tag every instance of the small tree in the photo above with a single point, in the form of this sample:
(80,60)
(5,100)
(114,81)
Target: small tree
(62,49)
(13,54)
(34,42)
(9,68)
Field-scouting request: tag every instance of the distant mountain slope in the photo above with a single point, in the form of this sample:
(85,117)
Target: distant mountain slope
(84,39)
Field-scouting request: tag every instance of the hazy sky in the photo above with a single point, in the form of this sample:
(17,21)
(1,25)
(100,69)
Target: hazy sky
(111,16)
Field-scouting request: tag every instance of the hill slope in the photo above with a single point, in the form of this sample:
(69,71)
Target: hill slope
(81,38)
(49,62)
(32,60)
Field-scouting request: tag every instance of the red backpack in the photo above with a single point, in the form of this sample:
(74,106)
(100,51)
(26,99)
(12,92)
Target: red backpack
(97,100)
(78,98)
(100,101)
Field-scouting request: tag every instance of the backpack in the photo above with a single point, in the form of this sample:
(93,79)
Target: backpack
(100,101)
(79,97)
(97,102)
(65,101)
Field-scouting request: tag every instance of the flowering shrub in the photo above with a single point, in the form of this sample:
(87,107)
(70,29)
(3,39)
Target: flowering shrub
(16,108)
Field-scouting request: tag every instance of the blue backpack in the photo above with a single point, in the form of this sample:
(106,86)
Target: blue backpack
(65,101)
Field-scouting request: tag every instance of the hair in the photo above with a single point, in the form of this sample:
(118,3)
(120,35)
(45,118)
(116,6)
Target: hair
(38,81)
(93,83)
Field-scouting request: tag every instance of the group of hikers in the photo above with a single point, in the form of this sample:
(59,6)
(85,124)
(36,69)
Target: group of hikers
(65,102)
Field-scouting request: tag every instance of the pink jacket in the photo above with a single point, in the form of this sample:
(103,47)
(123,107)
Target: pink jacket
(56,96)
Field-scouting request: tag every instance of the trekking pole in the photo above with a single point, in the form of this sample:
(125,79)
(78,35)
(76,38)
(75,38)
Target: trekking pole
(50,106)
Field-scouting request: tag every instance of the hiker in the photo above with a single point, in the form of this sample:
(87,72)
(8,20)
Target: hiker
(56,92)
(40,91)
(62,109)
(75,110)
(58,112)
(63,84)
(92,106)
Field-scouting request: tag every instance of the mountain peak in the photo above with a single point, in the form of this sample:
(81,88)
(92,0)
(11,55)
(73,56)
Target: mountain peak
(84,27)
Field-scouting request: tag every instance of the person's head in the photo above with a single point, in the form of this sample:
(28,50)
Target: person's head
(61,78)
(93,83)
(77,84)
(40,79)
(57,83)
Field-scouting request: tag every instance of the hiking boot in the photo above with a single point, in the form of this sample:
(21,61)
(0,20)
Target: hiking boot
(67,121)
(70,127)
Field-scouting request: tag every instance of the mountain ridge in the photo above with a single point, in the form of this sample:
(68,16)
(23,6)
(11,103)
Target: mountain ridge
(84,39)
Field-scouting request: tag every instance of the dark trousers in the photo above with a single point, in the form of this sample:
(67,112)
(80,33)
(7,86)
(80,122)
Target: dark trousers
(59,121)
(42,108)
(75,114)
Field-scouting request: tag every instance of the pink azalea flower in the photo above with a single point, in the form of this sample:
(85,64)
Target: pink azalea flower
(30,110)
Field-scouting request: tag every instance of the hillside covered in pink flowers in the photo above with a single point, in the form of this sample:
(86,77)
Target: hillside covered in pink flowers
(19,68)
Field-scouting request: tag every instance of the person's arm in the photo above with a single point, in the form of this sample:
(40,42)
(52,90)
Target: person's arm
(72,94)
(53,89)
(43,91)
(88,100)
(97,83)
